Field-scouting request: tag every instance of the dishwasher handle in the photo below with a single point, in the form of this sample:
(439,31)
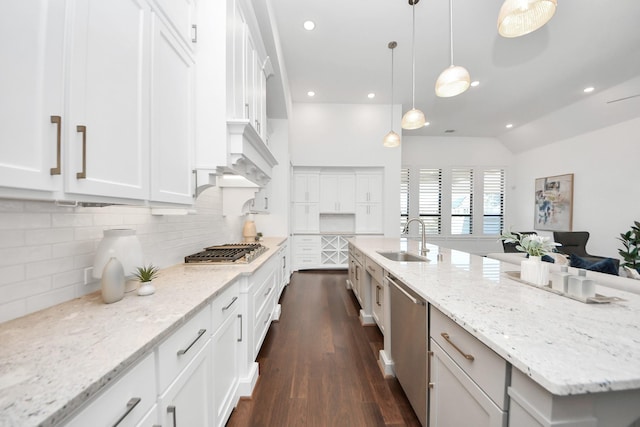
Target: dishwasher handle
(407,294)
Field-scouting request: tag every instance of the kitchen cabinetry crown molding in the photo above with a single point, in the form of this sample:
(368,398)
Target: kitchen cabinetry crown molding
(248,155)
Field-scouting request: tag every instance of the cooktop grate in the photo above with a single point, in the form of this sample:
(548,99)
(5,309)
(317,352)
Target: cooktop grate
(229,253)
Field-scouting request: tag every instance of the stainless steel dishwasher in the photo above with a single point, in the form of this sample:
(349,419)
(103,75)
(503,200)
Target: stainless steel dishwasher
(409,344)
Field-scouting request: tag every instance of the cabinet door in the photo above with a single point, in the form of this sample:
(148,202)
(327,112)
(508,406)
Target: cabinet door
(369,218)
(107,125)
(181,17)
(251,62)
(455,400)
(225,352)
(306,187)
(306,218)
(31,49)
(377,294)
(172,112)
(337,193)
(369,188)
(187,402)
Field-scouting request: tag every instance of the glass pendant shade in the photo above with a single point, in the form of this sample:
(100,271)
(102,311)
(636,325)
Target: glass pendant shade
(520,17)
(391,139)
(452,81)
(413,119)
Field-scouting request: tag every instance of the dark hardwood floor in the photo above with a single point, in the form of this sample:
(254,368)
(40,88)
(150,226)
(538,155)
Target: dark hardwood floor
(318,364)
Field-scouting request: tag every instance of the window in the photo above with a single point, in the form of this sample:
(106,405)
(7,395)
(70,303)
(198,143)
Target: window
(404,198)
(445,198)
(430,204)
(493,219)
(462,201)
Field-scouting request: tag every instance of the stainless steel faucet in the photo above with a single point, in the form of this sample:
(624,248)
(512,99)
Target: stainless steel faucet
(423,247)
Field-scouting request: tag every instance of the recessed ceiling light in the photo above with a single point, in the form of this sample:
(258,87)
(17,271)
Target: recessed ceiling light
(311,93)
(371,95)
(426,124)
(309,25)
(589,89)
(509,126)
(475,83)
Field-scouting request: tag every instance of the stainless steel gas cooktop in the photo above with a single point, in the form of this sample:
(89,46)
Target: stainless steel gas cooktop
(232,253)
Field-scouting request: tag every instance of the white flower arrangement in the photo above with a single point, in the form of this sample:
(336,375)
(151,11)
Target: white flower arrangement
(532,244)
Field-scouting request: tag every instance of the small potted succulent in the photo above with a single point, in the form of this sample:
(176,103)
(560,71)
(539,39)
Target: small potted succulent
(145,275)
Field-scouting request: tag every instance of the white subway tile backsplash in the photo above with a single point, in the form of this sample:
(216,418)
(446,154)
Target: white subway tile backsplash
(45,248)
(48,235)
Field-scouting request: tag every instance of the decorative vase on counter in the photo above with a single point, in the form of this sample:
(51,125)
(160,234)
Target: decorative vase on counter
(535,271)
(125,246)
(112,281)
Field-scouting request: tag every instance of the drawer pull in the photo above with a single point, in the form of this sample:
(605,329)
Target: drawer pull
(132,403)
(268,292)
(230,304)
(240,317)
(57,120)
(465,355)
(172,410)
(200,333)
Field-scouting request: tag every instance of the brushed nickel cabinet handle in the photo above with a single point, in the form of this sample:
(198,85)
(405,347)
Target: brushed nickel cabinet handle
(57,120)
(268,292)
(465,355)
(429,356)
(184,350)
(83,130)
(172,410)
(378,295)
(240,317)
(230,304)
(194,33)
(130,405)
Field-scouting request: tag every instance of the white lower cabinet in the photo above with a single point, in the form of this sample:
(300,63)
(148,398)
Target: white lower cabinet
(226,345)
(187,401)
(125,402)
(377,284)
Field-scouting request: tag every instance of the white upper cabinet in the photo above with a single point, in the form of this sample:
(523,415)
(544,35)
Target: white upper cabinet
(306,187)
(107,123)
(172,116)
(31,105)
(181,16)
(369,187)
(337,193)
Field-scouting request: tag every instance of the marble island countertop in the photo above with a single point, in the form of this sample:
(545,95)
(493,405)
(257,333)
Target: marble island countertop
(53,360)
(566,346)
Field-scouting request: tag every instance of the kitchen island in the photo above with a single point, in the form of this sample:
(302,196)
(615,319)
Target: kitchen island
(568,361)
(55,361)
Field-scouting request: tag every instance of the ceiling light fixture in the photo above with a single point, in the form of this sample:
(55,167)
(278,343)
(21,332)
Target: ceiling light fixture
(509,126)
(309,25)
(589,89)
(413,119)
(391,139)
(311,93)
(371,95)
(520,17)
(455,79)
(475,83)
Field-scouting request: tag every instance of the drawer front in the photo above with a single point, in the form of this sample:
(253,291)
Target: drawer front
(376,272)
(175,353)
(261,326)
(263,294)
(128,399)
(224,305)
(487,369)
(307,240)
(307,261)
(358,255)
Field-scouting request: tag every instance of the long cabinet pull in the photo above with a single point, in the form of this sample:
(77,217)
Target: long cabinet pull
(130,405)
(230,304)
(377,295)
(240,317)
(172,410)
(407,294)
(184,350)
(429,356)
(465,355)
(58,121)
(83,130)
(268,292)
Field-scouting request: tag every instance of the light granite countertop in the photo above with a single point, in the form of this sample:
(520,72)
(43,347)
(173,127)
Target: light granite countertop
(566,346)
(53,360)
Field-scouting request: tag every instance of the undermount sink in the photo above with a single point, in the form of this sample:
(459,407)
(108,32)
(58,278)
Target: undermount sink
(403,256)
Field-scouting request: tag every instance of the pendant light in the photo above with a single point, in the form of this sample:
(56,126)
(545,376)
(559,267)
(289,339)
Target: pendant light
(413,119)
(391,139)
(455,79)
(520,17)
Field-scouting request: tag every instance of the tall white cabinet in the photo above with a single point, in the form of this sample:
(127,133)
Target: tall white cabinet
(328,206)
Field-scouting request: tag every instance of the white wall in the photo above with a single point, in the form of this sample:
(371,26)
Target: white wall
(349,135)
(606,198)
(447,152)
(44,248)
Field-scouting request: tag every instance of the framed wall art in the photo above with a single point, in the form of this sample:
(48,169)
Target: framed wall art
(554,203)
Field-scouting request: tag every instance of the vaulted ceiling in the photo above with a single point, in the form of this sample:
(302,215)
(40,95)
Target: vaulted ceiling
(534,82)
